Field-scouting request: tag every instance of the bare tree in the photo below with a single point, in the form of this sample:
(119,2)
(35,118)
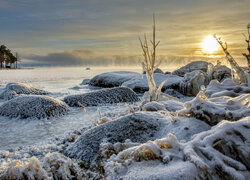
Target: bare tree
(149,62)
(150,65)
(248,45)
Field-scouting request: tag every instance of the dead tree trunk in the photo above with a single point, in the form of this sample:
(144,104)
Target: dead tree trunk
(238,73)
(248,46)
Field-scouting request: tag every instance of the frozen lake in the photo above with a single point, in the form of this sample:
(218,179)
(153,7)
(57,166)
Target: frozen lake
(61,82)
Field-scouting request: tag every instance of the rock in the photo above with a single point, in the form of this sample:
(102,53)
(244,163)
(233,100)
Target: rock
(174,93)
(193,66)
(221,72)
(36,106)
(103,96)
(112,79)
(192,82)
(153,106)
(140,84)
(85,82)
(139,127)
(13,90)
(172,105)
(158,70)
(225,88)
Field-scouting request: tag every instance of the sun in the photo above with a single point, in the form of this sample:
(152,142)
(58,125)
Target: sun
(210,45)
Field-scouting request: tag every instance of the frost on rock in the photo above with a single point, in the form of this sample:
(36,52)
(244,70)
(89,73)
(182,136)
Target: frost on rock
(112,79)
(13,90)
(173,105)
(221,72)
(85,82)
(192,82)
(153,106)
(225,88)
(33,106)
(214,110)
(223,151)
(103,96)
(193,66)
(138,127)
(140,84)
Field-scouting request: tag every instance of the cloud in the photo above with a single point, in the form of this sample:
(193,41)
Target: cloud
(82,57)
(86,57)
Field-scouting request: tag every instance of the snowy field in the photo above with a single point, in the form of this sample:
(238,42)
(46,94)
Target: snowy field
(61,82)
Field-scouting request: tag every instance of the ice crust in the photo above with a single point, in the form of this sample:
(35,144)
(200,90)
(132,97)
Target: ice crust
(13,90)
(36,106)
(104,96)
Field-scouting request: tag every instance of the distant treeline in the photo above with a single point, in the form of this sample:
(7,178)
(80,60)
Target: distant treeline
(7,59)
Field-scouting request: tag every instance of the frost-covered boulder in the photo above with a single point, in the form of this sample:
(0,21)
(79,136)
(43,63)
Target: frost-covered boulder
(225,88)
(85,82)
(193,66)
(214,110)
(13,90)
(192,82)
(139,127)
(153,106)
(174,93)
(158,70)
(36,106)
(221,72)
(103,96)
(140,84)
(173,105)
(112,79)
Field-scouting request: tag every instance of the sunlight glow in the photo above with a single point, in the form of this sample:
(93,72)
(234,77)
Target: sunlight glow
(210,45)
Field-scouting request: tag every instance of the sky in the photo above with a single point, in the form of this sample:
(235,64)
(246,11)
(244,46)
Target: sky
(105,32)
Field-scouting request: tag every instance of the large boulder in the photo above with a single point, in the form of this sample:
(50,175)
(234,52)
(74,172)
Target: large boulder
(140,84)
(192,82)
(36,106)
(193,66)
(221,72)
(139,127)
(112,79)
(13,90)
(103,96)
